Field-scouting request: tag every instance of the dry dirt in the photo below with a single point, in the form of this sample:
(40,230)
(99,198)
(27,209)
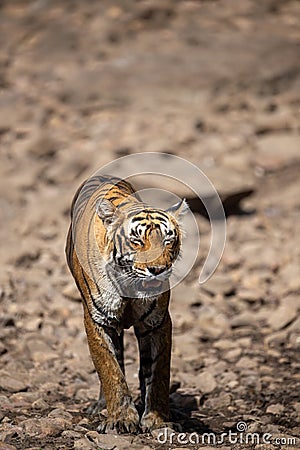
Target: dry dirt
(216,82)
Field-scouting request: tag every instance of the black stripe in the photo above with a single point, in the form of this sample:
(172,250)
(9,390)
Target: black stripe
(113,198)
(120,243)
(99,309)
(90,264)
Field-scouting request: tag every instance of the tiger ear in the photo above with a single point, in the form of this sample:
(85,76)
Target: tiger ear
(179,209)
(106,211)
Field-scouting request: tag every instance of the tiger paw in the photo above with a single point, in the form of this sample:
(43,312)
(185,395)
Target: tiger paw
(152,421)
(125,420)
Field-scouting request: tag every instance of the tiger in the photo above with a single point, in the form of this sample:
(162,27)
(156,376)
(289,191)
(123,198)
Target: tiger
(121,252)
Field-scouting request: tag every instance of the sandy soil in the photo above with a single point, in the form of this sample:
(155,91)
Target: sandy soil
(216,82)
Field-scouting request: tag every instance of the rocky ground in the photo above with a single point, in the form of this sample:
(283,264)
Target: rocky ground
(216,82)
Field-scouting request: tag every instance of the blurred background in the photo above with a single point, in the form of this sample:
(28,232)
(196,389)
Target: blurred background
(215,82)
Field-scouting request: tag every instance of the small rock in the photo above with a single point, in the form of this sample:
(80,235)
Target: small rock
(4,446)
(232,355)
(60,413)
(224,344)
(244,319)
(231,385)
(250,295)
(42,147)
(32,324)
(265,447)
(277,150)
(279,338)
(40,350)
(283,315)
(8,431)
(206,382)
(84,444)
(24,397)
(216,403)
(289,274)
(44,427)
(275,409)
(179,448)
(10,384)
(109,441)
(71,292)
(296,406)
(40,404)
(279,121)
(229,378)
(71,434)
(246,363)
(211,323)
(219,284)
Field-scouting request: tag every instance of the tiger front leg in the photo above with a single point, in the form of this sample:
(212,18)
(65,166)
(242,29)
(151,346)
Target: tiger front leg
(155,356)
(122,414)
(100,404)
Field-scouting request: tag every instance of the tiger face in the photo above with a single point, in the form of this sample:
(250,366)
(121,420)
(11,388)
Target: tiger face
(143,243)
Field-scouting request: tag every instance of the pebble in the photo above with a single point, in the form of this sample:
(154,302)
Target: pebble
(219,284)
(60,413)
(10,384)
(206,382)
(265,447)
(246,363)
(44,427)
(296,406)
(84,444)
(40,404)
(71,434)
(211,323)
(8,431)
(243,319)
(71,292)
(233,355)
(282,316)
(39,350)
(223,400)
(270,155)
(109,441)
(5,446)
(275,409)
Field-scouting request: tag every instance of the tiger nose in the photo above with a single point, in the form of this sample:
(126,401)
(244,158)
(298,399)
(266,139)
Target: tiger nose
(156,270)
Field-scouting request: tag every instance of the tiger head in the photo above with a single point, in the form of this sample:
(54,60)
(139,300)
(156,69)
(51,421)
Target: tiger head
(142,243)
